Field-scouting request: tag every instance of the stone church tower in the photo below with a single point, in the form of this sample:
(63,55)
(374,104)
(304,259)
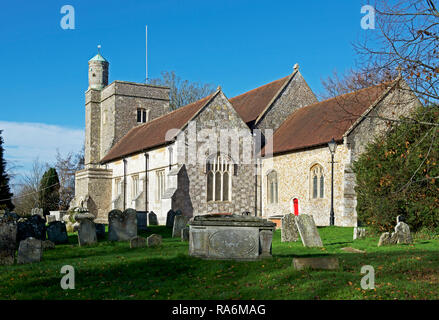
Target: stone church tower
(111,110)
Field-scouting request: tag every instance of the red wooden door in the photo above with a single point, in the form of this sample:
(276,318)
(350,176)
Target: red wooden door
(296,206)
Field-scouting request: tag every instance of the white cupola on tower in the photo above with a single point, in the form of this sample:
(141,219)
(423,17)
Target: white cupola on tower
(97,72)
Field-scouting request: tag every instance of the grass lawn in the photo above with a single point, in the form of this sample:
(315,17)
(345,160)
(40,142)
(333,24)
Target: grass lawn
(114,271)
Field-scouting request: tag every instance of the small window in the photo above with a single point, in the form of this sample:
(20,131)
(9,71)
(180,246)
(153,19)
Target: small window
(142,115)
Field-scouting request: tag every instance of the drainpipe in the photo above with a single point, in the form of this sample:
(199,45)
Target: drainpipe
(146,181)
(124,183)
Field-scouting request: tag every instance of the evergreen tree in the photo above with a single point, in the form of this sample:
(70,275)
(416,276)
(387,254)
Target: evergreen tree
(5,192)
(49,191)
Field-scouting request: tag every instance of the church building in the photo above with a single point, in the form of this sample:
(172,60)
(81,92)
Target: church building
(264,152)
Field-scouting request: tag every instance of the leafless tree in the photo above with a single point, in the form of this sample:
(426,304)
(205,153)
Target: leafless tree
(406,38)
(182,92)
(27,196)
(66,166)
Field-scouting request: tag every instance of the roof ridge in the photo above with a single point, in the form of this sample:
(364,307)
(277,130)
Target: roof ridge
(339,96)
(261,86)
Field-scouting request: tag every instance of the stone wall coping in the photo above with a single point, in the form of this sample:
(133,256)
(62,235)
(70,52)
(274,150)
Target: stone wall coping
(230,220)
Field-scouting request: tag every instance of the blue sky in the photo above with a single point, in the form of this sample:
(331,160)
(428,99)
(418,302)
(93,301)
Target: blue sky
(236,44)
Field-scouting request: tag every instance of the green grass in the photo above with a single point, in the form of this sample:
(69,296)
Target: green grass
(114,271)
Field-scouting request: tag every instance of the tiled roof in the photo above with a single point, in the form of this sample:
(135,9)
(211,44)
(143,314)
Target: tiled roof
(153,134)
(251,104)
(318,123)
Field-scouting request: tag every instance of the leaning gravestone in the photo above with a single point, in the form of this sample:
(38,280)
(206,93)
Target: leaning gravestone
(180,223)
(308,231)
(152,219)
(8,238)
(29,251)
(154,240)
(141,221)
(57,232)
(289,232)
(122,226)
(87,229)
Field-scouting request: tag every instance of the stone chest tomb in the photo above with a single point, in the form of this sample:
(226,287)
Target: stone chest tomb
(232,237)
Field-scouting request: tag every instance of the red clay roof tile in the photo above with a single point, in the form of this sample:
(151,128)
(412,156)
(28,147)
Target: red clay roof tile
(318,123)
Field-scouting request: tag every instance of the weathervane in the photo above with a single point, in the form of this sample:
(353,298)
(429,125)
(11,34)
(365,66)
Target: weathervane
(99,47)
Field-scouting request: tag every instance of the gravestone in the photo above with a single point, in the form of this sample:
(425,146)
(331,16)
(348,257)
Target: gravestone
(137,242)
(185,234)
(122,226)
(289,232)
(152,219)
(50,218)
(47,245)
(87,229)
(141,221)
(402,233)
(170,219)
(265,240)
(57,232)
(180,223)
(30,251)
(8,238)
(359,233)
(34,227)
(154,240)
(100,231)
(319,263)
(308,231)
(385,239)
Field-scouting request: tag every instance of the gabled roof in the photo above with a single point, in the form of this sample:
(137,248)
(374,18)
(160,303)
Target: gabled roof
(252,104)
(153,134)
(317,124)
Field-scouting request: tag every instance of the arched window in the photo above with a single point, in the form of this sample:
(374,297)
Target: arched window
(317,182)
(219,170)
(272,186)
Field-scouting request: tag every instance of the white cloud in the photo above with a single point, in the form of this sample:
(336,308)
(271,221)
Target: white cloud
(26,141)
